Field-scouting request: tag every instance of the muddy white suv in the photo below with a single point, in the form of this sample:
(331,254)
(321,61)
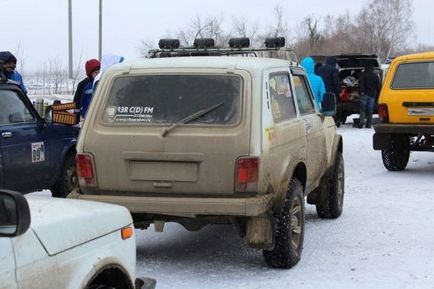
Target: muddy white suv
(211,140)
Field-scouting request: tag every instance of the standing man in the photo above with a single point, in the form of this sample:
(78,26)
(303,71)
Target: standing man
(84,91)
(369,87)
(316,82)
(9,65)
(330,75)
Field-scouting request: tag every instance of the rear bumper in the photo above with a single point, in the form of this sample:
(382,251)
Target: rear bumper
(349,107)
(404,128)
(186,206)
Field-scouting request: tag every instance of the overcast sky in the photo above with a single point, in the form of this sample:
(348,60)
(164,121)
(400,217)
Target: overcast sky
(37,30)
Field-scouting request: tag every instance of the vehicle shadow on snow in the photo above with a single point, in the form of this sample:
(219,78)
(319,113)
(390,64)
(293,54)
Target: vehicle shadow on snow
(213,247)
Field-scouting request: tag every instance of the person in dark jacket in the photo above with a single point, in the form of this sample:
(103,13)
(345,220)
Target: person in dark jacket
(369,87)
(330,76)
(84,91)
(9,65)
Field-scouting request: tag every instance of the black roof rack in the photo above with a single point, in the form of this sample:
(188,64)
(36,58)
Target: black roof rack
(238,47)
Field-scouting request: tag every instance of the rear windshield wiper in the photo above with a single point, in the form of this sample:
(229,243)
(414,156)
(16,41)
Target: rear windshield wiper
(191,117)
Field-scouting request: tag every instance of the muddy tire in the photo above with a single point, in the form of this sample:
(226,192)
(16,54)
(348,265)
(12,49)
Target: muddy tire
(396,157)
(333,200)
(289,230)
(67,180)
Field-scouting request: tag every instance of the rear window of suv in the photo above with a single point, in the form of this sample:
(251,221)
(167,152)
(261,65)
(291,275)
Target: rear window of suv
(163,99)
(414,75)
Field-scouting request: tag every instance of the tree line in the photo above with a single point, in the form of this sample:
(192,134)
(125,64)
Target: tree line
(382,27)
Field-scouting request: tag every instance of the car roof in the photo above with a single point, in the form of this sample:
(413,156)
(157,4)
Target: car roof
(415,56)
(212,62)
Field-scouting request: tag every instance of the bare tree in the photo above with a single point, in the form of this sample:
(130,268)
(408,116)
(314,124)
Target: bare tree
(211,27)
(57,75)
(76,75)
(387,25)
(279,28)
(241,28)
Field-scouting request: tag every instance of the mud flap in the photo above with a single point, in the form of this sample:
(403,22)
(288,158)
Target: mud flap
(260,232)
(381,141)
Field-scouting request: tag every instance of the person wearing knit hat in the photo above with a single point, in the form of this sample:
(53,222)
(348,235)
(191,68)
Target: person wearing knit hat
(83,94)
(9,64)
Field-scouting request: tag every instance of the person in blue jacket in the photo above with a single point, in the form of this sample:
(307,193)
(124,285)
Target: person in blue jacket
(9,65)
(316,82)
(83,94)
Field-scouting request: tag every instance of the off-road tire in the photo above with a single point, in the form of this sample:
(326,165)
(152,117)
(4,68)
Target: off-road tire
(67,180)
(332,203)
(396,157)
(289,230)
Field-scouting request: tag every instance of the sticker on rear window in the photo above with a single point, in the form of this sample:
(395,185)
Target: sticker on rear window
(129,113)
(38,152)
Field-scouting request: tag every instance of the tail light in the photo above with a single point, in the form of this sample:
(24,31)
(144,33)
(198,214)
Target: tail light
(383,112)
(246,174)
(85,172)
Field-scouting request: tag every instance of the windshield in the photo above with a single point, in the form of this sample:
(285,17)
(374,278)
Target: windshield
(167,99)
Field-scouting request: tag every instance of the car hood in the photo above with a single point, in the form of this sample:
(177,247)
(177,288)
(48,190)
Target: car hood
(62,224)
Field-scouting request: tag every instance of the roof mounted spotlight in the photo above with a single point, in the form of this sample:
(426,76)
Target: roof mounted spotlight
(275,42)
(243,42)
(168,43)
(203,43)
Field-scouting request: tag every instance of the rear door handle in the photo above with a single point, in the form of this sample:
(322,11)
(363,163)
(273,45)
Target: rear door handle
(7,134)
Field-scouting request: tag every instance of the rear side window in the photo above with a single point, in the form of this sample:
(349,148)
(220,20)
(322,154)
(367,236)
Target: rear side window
(414,75)
(166,99)
(282,100)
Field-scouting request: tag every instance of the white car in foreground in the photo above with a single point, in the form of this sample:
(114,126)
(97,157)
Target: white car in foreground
(54,243)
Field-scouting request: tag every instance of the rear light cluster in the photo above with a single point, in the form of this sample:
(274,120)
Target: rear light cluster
(383,112)
(85,171)
(246,174)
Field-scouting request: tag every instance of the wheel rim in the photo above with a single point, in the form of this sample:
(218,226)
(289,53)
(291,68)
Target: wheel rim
(70,178)
(296,223)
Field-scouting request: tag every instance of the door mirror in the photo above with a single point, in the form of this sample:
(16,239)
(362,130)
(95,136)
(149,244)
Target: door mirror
(329,104)
(14,214)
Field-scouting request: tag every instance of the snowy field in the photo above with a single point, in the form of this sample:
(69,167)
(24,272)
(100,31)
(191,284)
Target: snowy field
(384,239)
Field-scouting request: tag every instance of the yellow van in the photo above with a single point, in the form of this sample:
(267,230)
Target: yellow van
(406,110)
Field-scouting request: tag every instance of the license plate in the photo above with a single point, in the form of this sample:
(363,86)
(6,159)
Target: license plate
(420,111)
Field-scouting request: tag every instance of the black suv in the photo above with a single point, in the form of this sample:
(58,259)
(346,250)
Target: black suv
(350,66)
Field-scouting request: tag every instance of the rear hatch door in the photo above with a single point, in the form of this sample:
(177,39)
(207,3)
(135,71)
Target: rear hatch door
(411,94)
(171,133)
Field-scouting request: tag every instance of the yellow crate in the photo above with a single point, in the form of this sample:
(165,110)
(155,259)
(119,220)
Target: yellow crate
(64,106)
(64,117)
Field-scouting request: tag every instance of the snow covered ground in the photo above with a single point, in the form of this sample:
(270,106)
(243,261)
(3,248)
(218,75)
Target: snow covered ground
(384,239)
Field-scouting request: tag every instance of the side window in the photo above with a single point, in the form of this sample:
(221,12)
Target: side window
(304,101)
(282,100)
(12,109)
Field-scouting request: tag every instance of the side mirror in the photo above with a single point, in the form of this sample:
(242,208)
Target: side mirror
(14,214)
(329,104)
